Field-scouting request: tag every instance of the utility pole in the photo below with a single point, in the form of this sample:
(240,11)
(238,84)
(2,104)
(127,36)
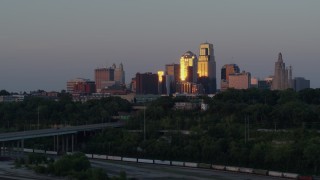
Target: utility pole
(245,130)
(144,123)
(38,118)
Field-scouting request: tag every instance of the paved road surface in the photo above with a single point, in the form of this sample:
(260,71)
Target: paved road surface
(152,171)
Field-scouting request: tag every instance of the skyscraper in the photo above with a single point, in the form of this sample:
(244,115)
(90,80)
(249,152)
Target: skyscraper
(146,83)
(173,70)
(282,76)
(119,74)
(106,77)
(102,77)
(226,70)
(207,68)
(188,67)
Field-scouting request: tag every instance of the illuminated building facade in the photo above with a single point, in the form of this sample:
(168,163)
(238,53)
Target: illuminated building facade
(207,68)
(188,66)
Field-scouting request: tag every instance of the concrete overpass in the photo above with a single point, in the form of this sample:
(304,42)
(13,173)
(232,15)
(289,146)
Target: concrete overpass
(61,136)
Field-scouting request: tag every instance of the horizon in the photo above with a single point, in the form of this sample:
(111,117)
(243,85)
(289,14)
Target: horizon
(45,44)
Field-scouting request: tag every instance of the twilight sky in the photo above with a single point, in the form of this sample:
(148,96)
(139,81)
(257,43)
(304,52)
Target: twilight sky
(45,43)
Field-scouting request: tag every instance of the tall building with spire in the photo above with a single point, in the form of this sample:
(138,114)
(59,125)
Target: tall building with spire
(207,68)
(282,76)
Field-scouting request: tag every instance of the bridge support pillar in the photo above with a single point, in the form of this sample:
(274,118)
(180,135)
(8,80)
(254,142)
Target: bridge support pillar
(72,141)
(63,145)
(57,144)
(67,143)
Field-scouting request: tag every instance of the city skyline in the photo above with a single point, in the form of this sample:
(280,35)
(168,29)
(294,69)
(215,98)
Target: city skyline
(43,45)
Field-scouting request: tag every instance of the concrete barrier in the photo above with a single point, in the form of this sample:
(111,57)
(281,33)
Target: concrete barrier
(115,158)
(260,171)
(162,162)
(129,159)
(246,170)
(98,156)
(39,151)
(147,161)
(51,152)
(191,164)
(89,156)
(290,175)
(177,163)
(219,167)
(232,168)
(27,150)
(203,165)
(275,173)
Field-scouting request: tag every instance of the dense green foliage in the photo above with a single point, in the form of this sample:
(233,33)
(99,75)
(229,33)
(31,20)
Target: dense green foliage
(24,115)
(289,140)
(276,130)
(75,166)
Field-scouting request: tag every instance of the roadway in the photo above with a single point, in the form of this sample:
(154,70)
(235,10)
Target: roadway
(11,136)
(153,171)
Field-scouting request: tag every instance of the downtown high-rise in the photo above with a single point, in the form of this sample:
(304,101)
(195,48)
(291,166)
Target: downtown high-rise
(207,68)
(282,76)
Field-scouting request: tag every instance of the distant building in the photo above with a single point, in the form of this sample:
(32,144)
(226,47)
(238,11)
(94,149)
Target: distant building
(254,82)
(240,80)
(226,70)
(162,83)
(12,98)
(282,76)
(186,106)
(301,83)
(119,74)
(189,88)
(102,77)
(173,70)
(173,73)
(264,84)
(188,67)
(106,77)
(146,83)
(80,86)
(207,68)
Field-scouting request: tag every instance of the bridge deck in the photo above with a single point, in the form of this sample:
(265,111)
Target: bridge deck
(10,136)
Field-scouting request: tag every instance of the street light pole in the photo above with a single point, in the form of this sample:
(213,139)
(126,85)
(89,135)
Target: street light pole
(144,123)
(38,118)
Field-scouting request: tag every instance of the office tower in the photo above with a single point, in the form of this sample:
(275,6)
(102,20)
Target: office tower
(226,70)
(80,86)
(188,66)
(301,83)
(282,76)
(161,82)
(207,68)
(102,77)
(240,80)
(170,84)
(146,83)
(173,70)
(107,77)
(119,74)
